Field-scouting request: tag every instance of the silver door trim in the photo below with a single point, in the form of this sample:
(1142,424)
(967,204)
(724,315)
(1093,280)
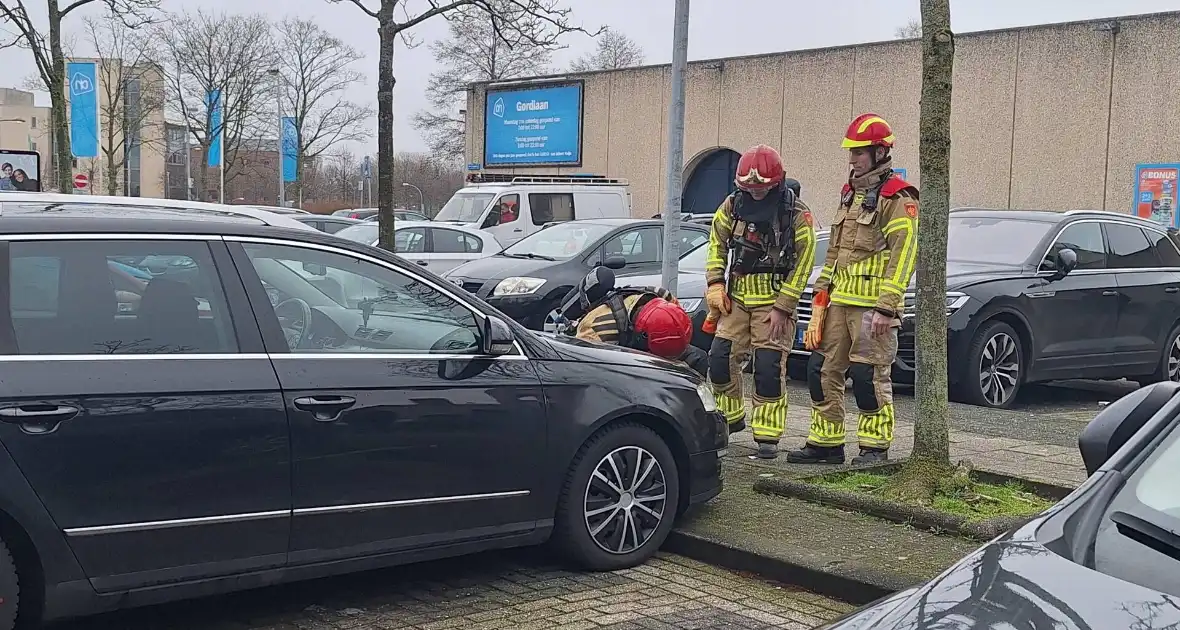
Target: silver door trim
(132,357)
(365,507)
(76,532)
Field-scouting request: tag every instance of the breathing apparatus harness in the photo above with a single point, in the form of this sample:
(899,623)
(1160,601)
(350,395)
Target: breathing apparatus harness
(762,241)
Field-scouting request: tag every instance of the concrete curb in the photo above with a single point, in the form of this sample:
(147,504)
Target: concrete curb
(854,590)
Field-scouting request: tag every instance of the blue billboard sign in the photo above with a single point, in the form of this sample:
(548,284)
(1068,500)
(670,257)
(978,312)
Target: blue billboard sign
(901,172)
(213,106)
(83,108)
(290,149)
(533,126)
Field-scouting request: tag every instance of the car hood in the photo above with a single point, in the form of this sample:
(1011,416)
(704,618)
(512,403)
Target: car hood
(960,273)
(1015,582)
(496,267)
(574,349)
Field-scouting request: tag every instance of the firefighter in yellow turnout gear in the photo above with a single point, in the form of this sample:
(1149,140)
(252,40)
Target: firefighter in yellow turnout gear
(859,298)
(761,252)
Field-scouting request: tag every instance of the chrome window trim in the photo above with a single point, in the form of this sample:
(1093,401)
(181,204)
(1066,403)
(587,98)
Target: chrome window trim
(392,356)
(133,357)
(112,236)
(393,268)
(143,526)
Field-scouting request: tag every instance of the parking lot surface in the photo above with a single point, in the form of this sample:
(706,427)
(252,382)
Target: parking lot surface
(520,590)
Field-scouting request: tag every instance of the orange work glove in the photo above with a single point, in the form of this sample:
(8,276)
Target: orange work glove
(718,302)
(815,328)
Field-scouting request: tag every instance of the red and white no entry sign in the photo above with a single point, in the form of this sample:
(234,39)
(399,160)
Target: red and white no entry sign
(81,180)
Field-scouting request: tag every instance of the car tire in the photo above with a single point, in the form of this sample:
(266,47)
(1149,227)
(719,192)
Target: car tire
(995,351)
(627,535)
(9,589)
(1168,368)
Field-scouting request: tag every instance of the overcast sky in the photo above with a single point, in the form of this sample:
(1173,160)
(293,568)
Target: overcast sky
(719,28)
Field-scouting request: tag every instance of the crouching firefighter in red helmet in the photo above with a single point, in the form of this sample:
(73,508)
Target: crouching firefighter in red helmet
(859,297)
(761,251)
(642,318)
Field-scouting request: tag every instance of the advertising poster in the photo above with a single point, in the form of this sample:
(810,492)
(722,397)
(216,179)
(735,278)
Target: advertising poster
(901,172)
(20,170)
(214,104)
(83,108)
(290,149)
(534,126)
(1155,192)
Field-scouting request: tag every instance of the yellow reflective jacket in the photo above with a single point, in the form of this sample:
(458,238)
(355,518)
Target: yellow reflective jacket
(762,289)
(872,251)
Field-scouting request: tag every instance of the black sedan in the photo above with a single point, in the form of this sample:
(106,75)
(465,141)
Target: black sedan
(528,279)
(1107,556)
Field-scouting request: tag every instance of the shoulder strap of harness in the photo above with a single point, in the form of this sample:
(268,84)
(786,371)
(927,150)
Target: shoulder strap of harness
(618,307)
(895,185)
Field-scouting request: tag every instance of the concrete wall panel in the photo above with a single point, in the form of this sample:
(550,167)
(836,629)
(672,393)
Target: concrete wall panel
(817,106)
(596,136)
(1062,93)
(981,119)
(1144,108)
(636,117)
(888,82)
(752,102)
(702,108)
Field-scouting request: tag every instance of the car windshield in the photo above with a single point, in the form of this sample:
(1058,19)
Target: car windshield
(465,207)
(993,239)
(558,242)
(694,260)
(361,233)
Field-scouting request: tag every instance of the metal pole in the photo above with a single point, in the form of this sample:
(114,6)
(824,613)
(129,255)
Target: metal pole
(421,197)
(188,164)
(280,146)
(221,150)
(675,149)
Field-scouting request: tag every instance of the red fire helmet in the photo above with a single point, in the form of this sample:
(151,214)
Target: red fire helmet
(868,130)
(760,168)
(667,327)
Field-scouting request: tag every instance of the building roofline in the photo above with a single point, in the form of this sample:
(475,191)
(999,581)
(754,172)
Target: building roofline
(1139,17)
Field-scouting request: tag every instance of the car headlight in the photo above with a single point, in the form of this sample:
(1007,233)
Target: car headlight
(690,306)
(707,399)
(518,286)
(954,301)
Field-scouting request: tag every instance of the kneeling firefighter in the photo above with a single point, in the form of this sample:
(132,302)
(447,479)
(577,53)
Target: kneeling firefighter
(859,297)
(761,251)
(648,319)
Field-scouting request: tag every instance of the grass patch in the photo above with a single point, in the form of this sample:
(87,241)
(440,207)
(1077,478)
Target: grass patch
(972,500)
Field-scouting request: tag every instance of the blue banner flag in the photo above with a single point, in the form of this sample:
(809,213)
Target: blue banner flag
(83,108)
(214,105)
(290,149)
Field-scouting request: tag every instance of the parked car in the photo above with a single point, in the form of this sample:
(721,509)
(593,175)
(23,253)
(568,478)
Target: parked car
(281,209)
(370,214)
(330,224)
(515,206)
(439,248)
(53,203)
(1104,557)
(691,286)
(528,280)
(402,215)
(288,431)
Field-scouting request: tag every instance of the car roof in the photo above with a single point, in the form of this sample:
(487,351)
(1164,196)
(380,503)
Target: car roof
(307,218)
(620,221)
(1044,216)
(50,208)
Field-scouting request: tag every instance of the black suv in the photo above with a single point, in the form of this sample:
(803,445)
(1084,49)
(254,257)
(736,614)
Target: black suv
(1040,296)
(195,403)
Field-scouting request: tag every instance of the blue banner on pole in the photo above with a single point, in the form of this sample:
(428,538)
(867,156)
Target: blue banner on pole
(290,149)
(214,105)
(537,125)
(83,108)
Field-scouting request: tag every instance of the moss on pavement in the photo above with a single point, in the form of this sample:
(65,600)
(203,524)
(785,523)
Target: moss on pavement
(975,501)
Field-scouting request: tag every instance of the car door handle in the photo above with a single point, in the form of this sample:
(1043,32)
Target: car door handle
(38,419)
(325,408)
(1171,289)
(1110,292)
(518,230)
(421,262)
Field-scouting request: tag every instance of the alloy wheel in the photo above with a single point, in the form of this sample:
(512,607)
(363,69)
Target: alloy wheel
(1174,361)
(999,369)
(625,500)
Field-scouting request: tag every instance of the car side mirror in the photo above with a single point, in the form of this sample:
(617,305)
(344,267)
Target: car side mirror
(1064,262)
(497,337)
(1121,419)
(615,262)
(315,269)
(493,218)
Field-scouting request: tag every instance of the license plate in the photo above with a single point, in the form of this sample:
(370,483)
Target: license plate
(799,336)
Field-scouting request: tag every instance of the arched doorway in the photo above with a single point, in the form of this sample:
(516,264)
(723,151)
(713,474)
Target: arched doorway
(709,180)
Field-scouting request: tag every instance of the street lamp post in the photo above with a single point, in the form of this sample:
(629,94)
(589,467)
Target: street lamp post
(421,199)
(277,76)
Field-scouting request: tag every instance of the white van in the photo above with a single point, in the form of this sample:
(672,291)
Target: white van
(513,206)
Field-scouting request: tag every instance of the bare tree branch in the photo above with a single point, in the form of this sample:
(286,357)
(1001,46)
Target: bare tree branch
(909,30)
(614,50)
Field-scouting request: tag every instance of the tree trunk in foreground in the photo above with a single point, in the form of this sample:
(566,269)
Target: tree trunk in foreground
(930,460)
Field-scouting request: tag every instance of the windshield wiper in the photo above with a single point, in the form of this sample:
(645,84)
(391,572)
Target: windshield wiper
(529,255)
(1147,534)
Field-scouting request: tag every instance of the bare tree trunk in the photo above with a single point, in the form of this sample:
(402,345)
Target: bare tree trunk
(385,84)
(202,183)
(63,156)
(930,460)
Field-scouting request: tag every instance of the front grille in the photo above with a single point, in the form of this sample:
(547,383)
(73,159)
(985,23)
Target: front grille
(803,310)
(906,350)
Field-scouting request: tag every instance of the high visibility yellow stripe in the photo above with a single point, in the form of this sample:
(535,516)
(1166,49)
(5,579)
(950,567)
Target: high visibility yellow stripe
(875,428)
(907,258)
(719,240)
(824,432)
(797,282)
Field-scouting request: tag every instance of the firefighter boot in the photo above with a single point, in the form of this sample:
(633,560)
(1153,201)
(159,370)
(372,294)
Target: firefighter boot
(767,450)
(737,426)
(812,454)
(871,456)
